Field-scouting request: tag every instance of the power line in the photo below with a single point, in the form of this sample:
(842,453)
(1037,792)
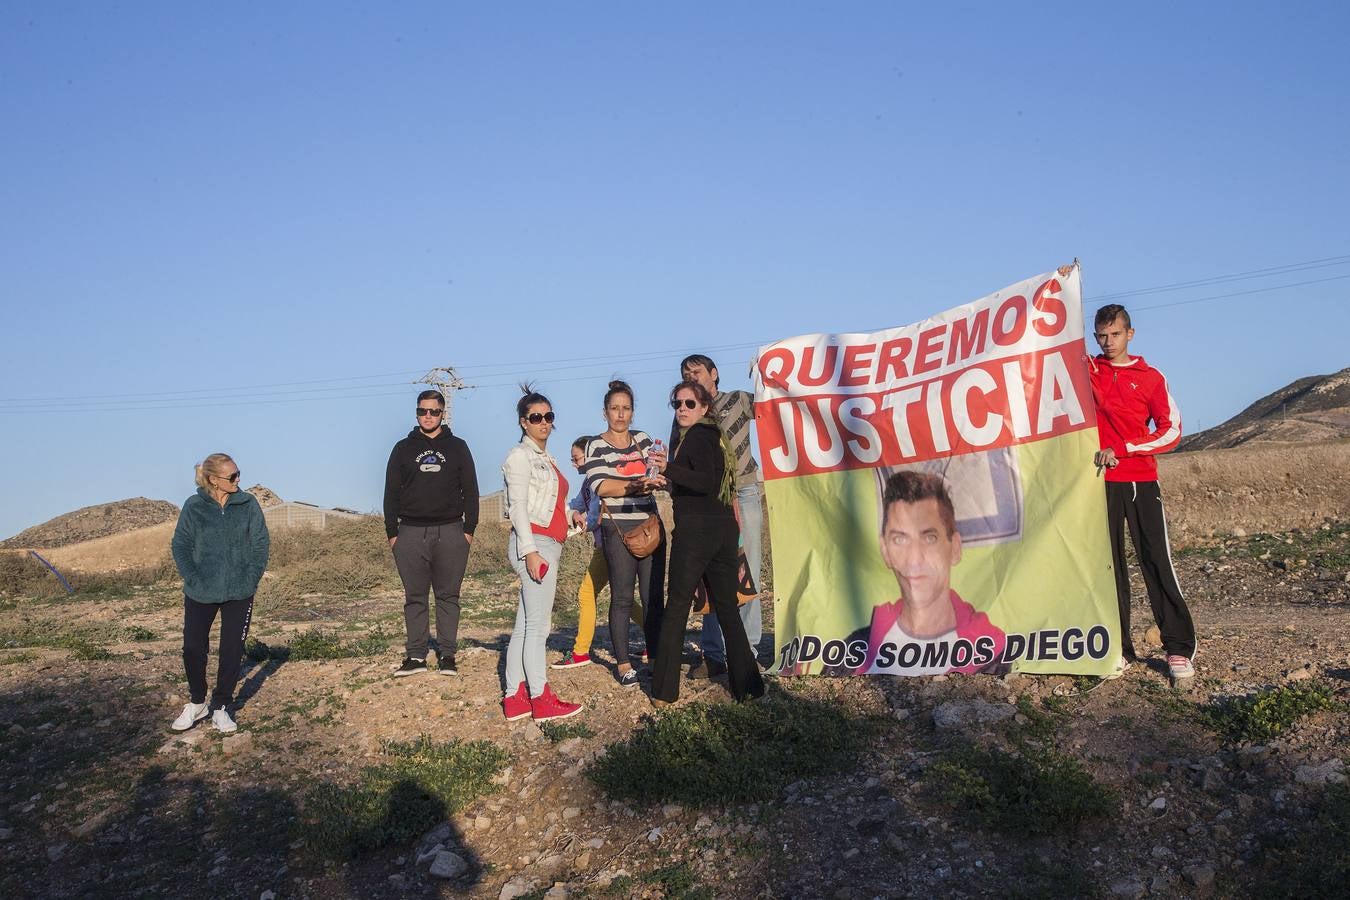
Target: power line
(267,393)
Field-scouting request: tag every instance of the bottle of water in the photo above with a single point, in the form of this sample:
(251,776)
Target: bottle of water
(657,447)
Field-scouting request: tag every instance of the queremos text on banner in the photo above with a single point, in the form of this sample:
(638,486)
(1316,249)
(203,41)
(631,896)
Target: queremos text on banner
(1006,566)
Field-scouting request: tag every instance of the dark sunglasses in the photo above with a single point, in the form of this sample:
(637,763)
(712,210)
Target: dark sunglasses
(423,411)
(230,478)
(536,418)
(686,403)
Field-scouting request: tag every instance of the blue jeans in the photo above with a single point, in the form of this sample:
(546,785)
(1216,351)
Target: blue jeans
(534,618)
(751,501)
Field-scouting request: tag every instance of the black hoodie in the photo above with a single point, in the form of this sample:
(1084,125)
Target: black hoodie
(430,481)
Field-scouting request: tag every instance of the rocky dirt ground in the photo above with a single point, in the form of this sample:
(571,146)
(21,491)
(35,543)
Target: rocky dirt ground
(98,798)
(951,786)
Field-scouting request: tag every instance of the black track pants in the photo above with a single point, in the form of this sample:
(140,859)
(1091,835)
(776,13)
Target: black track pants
(1139,505)
(197,621)
(704,545)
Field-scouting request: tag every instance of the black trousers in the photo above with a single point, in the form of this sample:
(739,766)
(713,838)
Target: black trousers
(198,618)
(1138,504)
(649,574)
(704,545)
(431,557)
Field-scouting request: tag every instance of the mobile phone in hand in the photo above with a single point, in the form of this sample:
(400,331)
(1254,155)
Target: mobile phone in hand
(543,570)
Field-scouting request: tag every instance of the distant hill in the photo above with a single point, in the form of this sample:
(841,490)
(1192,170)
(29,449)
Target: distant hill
(1309,410)
(94,522)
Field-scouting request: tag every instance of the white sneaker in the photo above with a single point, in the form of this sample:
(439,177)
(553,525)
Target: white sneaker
(224,724)
(192,714)
(1121,668)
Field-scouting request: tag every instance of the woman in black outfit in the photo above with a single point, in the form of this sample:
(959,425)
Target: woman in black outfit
(701,471)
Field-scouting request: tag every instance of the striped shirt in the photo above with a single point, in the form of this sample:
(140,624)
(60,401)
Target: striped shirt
(629,463)
(735,411)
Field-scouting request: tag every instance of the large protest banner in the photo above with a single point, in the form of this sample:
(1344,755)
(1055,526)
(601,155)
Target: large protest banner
(994,398)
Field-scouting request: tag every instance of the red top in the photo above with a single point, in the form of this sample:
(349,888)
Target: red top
(1127,398)
(971,624)
(557,526)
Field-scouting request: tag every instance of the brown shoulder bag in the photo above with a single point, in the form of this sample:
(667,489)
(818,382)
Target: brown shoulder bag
(641,541)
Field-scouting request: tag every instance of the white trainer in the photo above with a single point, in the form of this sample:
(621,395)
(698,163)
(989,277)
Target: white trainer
(224,724)
(192,714)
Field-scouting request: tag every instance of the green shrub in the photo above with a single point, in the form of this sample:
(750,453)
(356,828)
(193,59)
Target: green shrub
(728,753)
(320,644)
(423,784)
(140,633)
(1040,793)
(1268,713)
(561,731)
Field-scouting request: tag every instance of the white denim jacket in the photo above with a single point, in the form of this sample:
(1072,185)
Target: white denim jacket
(531,480)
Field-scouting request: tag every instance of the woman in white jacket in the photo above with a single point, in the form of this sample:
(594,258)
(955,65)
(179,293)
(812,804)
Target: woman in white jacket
(536,504)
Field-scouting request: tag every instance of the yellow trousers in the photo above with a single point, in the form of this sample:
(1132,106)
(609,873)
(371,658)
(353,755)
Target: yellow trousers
(593,582)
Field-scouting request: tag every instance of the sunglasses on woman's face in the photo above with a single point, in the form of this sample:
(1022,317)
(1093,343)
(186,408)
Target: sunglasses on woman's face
(423,411)
(232,479)
(686,403)
(536,418)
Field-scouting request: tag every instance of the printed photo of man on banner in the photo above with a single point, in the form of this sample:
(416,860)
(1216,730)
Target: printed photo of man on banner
(932,502)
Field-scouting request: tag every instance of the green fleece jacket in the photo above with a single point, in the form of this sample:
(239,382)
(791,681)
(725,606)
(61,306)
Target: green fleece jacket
(221,551)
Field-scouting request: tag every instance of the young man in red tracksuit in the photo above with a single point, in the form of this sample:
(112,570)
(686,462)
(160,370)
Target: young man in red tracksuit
(1130,394)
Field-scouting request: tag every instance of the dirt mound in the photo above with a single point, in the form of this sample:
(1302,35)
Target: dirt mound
(94,522)
(1255,488)
(266,496)
(1311,409)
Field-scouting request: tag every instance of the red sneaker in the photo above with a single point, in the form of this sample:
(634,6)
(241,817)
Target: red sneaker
(548,706)
(517,706)
(571,660)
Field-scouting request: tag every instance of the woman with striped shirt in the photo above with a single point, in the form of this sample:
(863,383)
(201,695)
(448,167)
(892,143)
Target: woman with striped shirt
(616,471)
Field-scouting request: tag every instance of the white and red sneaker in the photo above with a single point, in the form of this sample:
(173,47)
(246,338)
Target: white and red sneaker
(1180,667)
(548,706)
(517,706)
(571,661)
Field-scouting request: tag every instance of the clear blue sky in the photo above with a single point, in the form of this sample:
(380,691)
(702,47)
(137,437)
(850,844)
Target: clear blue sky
(201,200)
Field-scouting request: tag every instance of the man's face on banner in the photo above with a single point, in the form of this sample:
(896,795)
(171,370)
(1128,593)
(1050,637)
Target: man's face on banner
(918,549)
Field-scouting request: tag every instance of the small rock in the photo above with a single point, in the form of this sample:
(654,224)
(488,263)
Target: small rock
(671,810)
(516,887)
(268,895)
(1200,876)
(1159,804)
(429,856)
(550,863)
(1300,674)
(851,853)
(91,824)
(584,861)
(570,747)
(482,823)
(236,744)
(654,835)
(6,833)
(1330,772)
(56,851)
(571,812)
(1212,782)
(955,714)
(448,865)
(1127,887)
(1153,637)
(559,891)
(502,778)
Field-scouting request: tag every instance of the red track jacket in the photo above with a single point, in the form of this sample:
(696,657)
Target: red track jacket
(1127,397)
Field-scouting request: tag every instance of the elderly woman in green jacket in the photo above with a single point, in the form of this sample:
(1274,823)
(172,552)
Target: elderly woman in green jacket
(220,547)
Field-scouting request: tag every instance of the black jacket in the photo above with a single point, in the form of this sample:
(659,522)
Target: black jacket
(430,481)
(695,471)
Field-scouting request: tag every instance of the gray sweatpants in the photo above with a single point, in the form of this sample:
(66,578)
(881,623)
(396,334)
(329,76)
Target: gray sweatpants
(431,557)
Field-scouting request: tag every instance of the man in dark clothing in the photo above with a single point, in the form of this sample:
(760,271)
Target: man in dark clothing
(430,512)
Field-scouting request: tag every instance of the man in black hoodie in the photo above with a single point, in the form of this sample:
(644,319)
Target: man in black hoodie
(430,512)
